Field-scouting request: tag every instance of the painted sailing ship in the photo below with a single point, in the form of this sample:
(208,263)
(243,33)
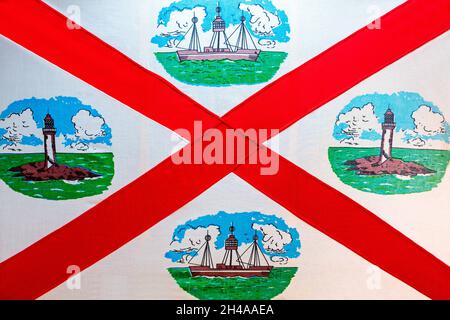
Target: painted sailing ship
(217,50)
(232,264)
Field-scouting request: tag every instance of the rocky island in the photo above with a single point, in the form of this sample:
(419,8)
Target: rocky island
(371,166)
(385,163)
(38,171)
(49,169)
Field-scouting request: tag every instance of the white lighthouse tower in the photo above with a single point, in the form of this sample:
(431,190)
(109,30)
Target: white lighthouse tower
(49,132)
(388,127)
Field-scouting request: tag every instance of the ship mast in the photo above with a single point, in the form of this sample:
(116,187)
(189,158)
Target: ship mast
(243,36)
(255,254)
(242,42)
(231,246)
(218,26)
(207,260)
(194,43)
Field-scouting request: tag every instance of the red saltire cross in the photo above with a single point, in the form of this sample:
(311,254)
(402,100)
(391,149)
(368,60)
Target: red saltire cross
(165,188)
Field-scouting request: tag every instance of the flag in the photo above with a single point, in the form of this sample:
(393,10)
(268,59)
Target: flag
(301,146)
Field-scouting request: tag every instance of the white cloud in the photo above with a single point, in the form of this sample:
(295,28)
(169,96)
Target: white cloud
(17,126)
(20,125)
(269,44)
(427,122)
(195,238)
(357,141)
(262,21)
(279,259)
(87,126)
(417,142)
(180,21)
(358,120)
(24,148)
(79,146)
(273,239)
(426,125)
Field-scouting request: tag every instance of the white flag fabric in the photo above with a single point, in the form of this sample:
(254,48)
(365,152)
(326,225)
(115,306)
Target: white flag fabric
(69,144)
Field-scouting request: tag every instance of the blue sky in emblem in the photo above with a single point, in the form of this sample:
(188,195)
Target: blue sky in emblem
(244,232)
(403,105)
(230,13)
(63,110)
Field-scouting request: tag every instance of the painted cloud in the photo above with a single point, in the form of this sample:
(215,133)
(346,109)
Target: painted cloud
(419,124)
(430,130)
(427,122)
(274,240)
(87,126)
(194,238)
(18,126)
(356,122)
(262,21)
(277,240)
(179,23)
(268,24)
(79,127)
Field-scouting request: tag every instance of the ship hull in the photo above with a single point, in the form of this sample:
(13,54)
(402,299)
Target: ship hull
(190,55)
(229,273)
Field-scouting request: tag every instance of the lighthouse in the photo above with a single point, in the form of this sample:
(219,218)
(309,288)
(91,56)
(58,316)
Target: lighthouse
(49,132)
(388,127)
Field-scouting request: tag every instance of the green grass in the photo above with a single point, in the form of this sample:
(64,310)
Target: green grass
(236,288)
(101,163)
(436,160)
(222,72)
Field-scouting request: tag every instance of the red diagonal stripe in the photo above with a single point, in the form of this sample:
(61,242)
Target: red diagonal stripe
(42,30)
(105,228)
(103,251)
(352,225)
(342,66)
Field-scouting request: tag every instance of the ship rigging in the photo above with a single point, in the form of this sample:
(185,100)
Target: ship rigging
(220,46)
(232,264)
